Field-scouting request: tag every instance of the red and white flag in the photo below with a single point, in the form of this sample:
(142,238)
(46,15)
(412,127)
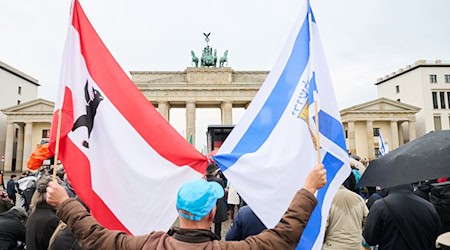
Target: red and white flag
(122,157)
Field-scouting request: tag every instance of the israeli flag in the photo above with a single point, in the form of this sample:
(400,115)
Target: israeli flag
(272,149)
(383,149)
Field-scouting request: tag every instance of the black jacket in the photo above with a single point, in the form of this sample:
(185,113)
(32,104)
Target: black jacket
(11,188)
(65,240)
(409,222)
(12,229)
(221,204)
(440,198)
(40,226)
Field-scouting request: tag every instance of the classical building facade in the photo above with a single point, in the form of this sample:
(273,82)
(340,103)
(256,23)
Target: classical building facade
(16,88)
(198,88)
(362,124)
(224,88)
(425,84)
(28,125)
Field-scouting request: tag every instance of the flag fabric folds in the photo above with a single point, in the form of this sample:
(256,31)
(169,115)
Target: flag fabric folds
(122,157)
(272,149)
(38,156)
(383,148)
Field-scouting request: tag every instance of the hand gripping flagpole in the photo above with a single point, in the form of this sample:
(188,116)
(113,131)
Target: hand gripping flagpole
(58,134)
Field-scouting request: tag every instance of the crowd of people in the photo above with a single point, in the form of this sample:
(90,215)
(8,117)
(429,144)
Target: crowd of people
(29,223)
(402,217)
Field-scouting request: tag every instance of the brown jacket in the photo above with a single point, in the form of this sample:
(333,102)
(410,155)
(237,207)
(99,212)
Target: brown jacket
(285,235)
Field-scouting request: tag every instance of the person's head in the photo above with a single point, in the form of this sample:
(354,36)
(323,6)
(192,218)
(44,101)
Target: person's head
(3,195)
(211,169)
(19,212)
(40,195)
(13,176)
(196,203)
(350,182)
(60,173)
(364,162)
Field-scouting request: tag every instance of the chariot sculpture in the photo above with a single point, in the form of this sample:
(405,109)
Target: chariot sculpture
(208,58)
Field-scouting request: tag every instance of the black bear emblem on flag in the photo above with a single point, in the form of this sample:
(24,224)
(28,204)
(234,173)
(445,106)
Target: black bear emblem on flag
(87,120)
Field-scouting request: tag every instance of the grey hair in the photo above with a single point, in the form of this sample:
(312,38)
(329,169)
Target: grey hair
(40,195)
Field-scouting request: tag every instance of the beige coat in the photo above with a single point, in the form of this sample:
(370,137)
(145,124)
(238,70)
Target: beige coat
(233,197)
(346,221)
(93,236)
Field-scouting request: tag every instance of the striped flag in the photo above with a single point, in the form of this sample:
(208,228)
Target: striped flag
(383,148)
(272,149)
(122,157)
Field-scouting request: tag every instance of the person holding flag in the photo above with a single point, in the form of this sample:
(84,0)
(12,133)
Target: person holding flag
(294,118)
(296,128)
(96,102)
(196,208)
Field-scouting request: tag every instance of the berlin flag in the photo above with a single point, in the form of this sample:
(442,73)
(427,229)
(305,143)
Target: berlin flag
(122,157)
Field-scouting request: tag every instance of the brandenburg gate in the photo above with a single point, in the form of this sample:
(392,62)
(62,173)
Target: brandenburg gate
(207,85)
(199,87)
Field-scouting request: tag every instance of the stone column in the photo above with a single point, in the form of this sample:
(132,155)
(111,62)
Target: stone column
(394,134)
(351,137)
(370,143)
(9,147)
(400,134)
(190,121)
(163,108)
(412,130)
(227,112)
(19,154)
(27,147)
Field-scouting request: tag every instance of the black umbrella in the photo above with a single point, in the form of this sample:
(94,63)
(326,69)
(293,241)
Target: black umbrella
(425,158)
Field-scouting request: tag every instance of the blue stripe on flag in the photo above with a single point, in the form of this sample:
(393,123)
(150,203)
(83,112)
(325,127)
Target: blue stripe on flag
(311,232)
(312,88)
(313,19)
(332,129)
(276,103)
(382,150)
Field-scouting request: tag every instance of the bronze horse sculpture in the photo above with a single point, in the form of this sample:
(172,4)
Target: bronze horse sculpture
(224,59)
(194,59)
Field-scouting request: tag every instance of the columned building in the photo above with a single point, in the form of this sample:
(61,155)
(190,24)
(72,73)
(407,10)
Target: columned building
(16,87)
(363,123)
(28,125)
(199,88)
(424,84)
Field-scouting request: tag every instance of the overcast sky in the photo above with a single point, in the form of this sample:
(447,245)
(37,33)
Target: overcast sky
(363,40)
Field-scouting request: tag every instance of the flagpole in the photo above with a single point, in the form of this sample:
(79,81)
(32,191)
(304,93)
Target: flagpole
(58,133)
(317,133)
